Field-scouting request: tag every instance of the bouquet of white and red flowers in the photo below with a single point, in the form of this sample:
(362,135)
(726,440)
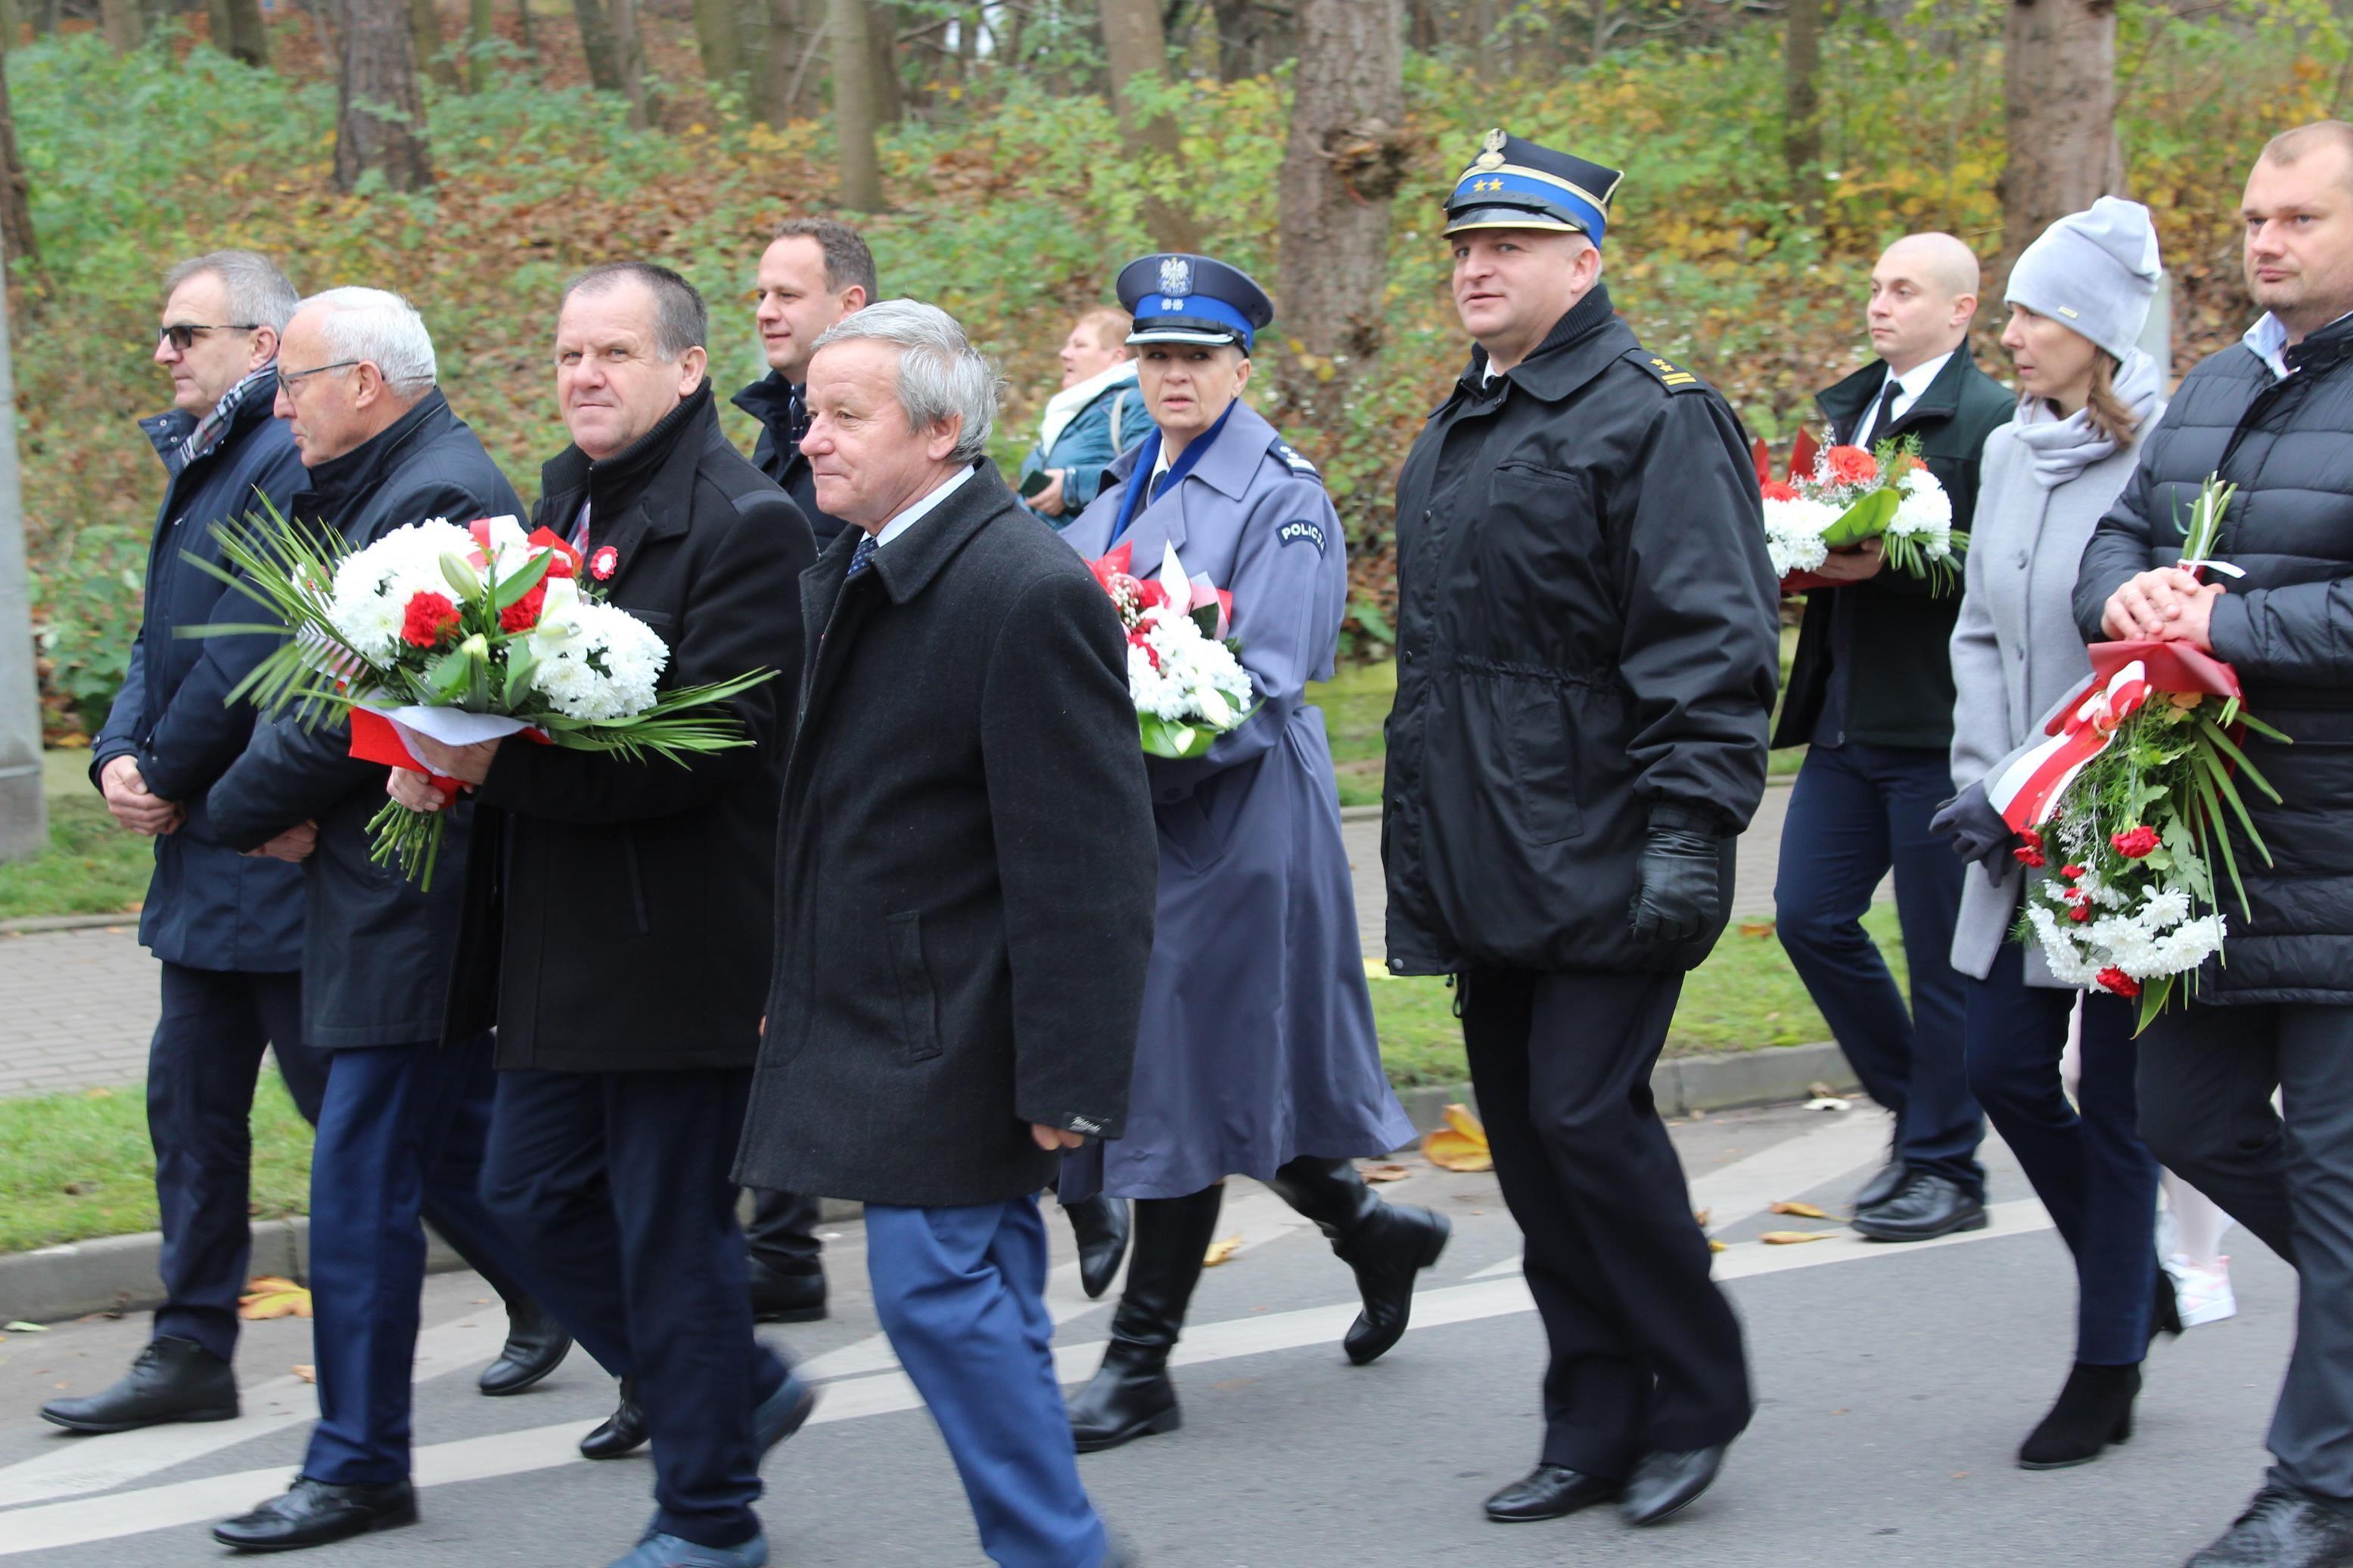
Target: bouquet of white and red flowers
(461,633)
(1838,497)
(1188,687)
(2133,795)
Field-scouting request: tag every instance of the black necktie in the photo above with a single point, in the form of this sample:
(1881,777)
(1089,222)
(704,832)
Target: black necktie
(1886,420)
(1160,482)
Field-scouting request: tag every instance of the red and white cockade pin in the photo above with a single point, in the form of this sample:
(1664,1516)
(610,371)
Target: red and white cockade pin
(604,564)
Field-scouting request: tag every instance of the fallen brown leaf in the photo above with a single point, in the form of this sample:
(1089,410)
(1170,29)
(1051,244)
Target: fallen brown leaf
(1221,1250)
(1388,1172)
(1803,1211)
(1715,1245)
(270,1296)
(1701,1216)
(1791,1238)
(1461,1144)
(307,1373)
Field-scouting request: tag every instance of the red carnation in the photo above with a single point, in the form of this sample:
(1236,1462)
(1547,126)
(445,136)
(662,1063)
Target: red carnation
(2031,854)
(2116,980)
(559,565)
(427,618)
(523,614)
(2070,872)
(2079,913)
(1849,465)
(1150,594)
(1779,489)
(2134,843)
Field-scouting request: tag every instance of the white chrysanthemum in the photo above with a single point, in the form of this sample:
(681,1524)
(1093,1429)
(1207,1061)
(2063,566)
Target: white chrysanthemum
(374,584)
(604,665)
(1793,533)
(1925,513)
(1195,673)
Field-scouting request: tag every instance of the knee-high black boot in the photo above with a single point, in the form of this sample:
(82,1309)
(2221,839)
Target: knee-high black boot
(1132,1396)
(1386,1244)
(1101,1224)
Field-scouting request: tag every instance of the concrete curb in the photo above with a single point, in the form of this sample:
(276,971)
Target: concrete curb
(119,1273)
(27,925)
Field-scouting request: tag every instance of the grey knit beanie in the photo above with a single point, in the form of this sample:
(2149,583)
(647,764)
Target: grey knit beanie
(2094,271)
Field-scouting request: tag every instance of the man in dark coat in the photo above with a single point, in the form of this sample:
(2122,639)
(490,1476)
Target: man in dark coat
(618,934)
(1585,659)
(402,1119)
(966,881)
(1870,697)
(814,272)
(225,929)
(2273,416)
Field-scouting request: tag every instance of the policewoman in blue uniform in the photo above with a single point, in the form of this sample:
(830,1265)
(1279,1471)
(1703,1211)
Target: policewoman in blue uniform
(1257,1053)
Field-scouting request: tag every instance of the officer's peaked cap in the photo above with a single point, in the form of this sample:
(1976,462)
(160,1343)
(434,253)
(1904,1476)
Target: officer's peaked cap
(1515,183)
(1182,299)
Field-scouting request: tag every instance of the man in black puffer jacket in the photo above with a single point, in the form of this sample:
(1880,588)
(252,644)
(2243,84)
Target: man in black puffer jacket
(2273,416)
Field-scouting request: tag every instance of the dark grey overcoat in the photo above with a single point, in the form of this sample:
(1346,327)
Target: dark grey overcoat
(965,869)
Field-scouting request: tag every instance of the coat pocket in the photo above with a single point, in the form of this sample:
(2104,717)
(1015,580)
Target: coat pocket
(1540,746)
(919,1011)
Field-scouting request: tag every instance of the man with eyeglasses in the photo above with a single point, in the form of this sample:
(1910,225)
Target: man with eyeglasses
(402,1118)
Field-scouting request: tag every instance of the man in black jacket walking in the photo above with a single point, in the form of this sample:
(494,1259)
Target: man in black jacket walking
(815,271)
(1586,661)
(403,1120)
(2273,416)
(965,879)
(1870,697)
(616,925)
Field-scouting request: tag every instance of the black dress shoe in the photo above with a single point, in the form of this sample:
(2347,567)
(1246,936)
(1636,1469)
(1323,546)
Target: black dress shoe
(1548,1491)
(2095,1409)
(1101,1224)
(173,1380)
(2283,1529)
(1663,1484)
(1387,1245)
(781,1298)
(1884,1184)
(1925,1207)
(622,1432)
(536,1345)
(313,1513)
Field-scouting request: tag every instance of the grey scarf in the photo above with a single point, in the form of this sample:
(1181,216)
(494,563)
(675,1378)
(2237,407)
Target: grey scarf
(2062,448)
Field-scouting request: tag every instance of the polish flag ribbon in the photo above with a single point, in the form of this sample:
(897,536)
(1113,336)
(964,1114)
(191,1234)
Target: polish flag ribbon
(2028,787)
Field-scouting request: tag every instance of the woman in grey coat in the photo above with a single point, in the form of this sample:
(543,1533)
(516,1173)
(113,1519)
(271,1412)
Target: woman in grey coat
(2078,297)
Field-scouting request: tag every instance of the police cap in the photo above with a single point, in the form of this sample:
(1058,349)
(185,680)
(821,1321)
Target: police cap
(1515,183)
(1180,299)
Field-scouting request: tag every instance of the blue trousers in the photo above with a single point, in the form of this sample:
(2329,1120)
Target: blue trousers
(399,1124)
(2087,1161)
(619,1187)
(1855,812)
(202,1066)
(961,1293)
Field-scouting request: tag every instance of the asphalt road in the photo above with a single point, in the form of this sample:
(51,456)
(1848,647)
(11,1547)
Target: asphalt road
(1892,1385)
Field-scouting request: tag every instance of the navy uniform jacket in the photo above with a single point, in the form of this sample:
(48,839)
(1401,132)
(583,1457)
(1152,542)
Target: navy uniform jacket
(1258,1042)
(208,907)
(377,950)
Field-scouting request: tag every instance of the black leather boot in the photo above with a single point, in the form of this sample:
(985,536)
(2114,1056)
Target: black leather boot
(2095,1409)
(173,1380)
(622,1432)
(1101,1224)
(1386,1244)
(536,1345)
(1131,1396)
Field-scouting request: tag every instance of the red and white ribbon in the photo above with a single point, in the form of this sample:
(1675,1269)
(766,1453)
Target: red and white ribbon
(2030,787)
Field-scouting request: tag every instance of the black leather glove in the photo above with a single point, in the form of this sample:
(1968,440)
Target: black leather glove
(1680,892)
(1979,834)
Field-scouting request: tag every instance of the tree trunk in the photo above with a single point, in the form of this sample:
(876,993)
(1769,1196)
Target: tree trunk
(1802,132)
(481,26)
(1347,155)
(883,24)
(16,241)
(425,28)
(782,67)
(45,18)
(380,127)
(248,38)
(120,22)
(1138,53)
(2060,107)
(629,57)
(218,23)
(599,45)
(523,34)
(719,40)
(853,106)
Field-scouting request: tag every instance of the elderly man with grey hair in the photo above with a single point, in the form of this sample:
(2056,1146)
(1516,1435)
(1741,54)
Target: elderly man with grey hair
(619,938)
(402,1118)
(966,874)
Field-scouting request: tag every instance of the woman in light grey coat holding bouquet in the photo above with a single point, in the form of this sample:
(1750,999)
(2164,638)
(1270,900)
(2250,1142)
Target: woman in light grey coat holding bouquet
(2078,299)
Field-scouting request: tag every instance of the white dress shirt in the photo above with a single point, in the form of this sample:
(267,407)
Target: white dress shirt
(2268,337)
(909,517)
(1910,385)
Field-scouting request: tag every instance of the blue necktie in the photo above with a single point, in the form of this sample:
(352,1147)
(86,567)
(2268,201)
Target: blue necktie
(1161,481)
(862,558)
